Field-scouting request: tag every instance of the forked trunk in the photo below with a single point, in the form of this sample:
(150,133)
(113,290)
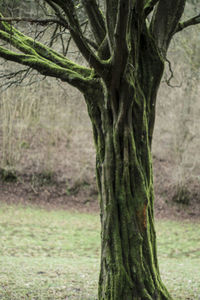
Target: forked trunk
(123,121)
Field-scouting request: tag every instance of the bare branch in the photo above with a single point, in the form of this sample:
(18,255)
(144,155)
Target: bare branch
(193,21)
(168,80)
(13,78)
(42,22)
(96,20)
(57,10)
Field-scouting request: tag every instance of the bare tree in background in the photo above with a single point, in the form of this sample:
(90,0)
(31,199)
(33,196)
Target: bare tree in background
(125,59)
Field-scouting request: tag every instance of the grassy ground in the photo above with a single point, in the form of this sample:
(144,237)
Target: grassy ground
(55,255)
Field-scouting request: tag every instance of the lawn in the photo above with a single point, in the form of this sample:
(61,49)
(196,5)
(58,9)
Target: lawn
(55,255)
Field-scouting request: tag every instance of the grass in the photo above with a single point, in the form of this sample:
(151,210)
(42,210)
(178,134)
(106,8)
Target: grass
(179,258)
(55,255)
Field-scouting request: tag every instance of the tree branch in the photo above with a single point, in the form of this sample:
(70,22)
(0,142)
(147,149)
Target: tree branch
(41,22)
(47,68)
(56,10)
(26,44)
(150,6)
(120,46)
(165,20)
(193,21)
(44,22)
(43,59)
(111,16)
(14,78)
(96,20)
(77,35)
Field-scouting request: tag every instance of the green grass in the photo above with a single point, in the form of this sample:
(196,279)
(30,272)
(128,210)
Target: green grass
(55,255)
(179,258)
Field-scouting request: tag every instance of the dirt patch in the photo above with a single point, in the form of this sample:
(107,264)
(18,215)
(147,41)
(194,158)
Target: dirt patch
(52,192)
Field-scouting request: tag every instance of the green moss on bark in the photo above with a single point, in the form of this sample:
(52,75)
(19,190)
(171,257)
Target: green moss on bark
(129,267)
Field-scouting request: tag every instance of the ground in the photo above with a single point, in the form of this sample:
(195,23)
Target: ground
(54,254)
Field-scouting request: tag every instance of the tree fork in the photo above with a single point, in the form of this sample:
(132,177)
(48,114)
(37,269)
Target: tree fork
(129,268)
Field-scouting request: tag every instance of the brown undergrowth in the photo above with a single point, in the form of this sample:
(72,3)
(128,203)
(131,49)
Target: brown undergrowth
(53,192)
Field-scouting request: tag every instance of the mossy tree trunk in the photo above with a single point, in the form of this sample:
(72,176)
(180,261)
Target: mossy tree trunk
(129,268)
(123,120)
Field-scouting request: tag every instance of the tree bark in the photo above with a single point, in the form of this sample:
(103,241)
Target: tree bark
(123,120)
(129,268)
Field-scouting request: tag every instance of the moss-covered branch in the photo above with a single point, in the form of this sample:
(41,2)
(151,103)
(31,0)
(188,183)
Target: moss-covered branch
(48,68)
(28,45)
(69,9)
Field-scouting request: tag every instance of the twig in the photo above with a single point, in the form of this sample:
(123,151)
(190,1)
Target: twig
(168,81)
(42,22)
(193,21)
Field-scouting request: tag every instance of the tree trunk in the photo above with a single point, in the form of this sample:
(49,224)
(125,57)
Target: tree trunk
(123,121)
(129,267)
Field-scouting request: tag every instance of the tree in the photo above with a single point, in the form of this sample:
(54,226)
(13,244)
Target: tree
(126,58)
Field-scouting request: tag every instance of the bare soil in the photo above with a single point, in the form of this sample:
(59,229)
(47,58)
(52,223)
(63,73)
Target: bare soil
(50,191)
